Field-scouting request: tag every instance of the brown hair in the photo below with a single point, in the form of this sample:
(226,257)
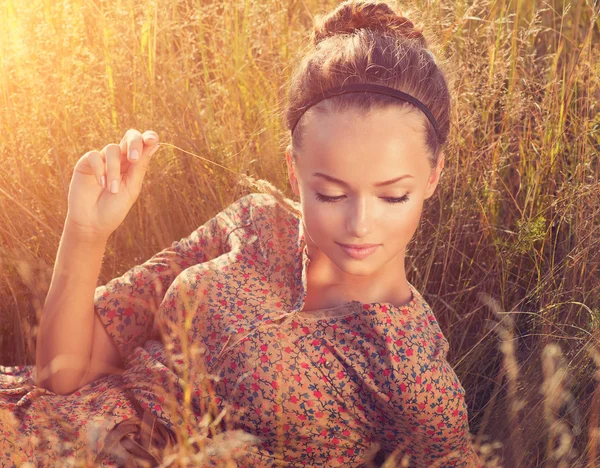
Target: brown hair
(363,42)
(368,42)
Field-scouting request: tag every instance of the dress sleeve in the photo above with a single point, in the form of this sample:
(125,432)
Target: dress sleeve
(426,414)
(126,305)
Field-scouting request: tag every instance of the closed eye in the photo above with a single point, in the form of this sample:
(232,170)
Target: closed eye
(325,199)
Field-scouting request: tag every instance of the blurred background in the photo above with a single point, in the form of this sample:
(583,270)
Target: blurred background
(508,252)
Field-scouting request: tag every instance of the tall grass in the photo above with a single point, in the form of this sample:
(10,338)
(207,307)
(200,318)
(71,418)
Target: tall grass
(507,254)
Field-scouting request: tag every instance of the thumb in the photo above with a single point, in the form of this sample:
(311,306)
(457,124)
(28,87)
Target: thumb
(136,173)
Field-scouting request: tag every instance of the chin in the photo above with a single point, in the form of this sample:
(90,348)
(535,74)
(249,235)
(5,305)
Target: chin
(355,267)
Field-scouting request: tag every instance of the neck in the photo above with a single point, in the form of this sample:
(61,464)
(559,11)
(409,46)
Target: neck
(329,286)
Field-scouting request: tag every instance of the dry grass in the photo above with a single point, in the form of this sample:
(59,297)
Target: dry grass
(507,255)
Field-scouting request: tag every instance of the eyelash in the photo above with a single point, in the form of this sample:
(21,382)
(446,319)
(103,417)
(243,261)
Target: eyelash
(323,198)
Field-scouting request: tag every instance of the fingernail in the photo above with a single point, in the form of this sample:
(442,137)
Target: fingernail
(114,186)
(134,155)
(103,182)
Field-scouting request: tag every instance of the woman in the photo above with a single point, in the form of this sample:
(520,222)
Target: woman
(292,322)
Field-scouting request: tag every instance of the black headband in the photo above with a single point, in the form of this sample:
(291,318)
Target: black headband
(373,88)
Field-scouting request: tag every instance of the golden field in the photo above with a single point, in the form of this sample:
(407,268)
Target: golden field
(508,253)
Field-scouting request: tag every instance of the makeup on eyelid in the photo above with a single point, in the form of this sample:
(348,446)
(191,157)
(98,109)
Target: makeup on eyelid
(391,200)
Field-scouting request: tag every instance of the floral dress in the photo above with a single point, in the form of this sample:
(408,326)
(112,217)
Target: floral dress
(211,330)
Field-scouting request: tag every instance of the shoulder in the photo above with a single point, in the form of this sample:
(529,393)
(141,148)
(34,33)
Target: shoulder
(417,327)
(250,201)
(262,217)
(428,326)
(262,209)
(239,212)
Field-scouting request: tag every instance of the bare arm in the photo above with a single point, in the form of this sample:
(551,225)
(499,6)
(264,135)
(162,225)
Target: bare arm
(104,186)
(65,337)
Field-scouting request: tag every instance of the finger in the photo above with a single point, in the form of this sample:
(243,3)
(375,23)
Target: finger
(135,174)
(135,146)
(132,145)
(150,138)
(83,165)
(112,153)
(96,162)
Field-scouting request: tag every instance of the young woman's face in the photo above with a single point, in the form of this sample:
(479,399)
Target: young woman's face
(340,174)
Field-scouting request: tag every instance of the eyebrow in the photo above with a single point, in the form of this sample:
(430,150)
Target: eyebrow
(378,184)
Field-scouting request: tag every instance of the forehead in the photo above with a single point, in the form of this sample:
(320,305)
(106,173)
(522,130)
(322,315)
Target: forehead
(381,143)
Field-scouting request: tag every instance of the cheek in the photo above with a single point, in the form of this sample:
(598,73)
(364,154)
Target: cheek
(407,221)
(399,223)
(402,231)
(318,218)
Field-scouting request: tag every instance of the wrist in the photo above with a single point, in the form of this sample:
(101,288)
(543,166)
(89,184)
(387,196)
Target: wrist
(83,235)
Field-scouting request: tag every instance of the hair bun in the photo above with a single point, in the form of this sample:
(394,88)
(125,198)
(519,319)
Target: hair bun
(352,15)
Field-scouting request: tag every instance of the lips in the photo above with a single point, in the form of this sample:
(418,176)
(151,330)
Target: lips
(360,253)
(358,246)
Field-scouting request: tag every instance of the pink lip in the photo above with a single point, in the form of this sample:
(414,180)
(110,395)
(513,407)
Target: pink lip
(360,253)
(358,246)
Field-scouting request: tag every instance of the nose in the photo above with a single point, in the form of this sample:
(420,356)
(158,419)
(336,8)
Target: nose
(359,218)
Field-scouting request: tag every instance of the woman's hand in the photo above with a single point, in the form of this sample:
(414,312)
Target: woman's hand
(106,184)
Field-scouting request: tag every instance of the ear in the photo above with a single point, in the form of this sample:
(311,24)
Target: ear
(291,170)
(434,178)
